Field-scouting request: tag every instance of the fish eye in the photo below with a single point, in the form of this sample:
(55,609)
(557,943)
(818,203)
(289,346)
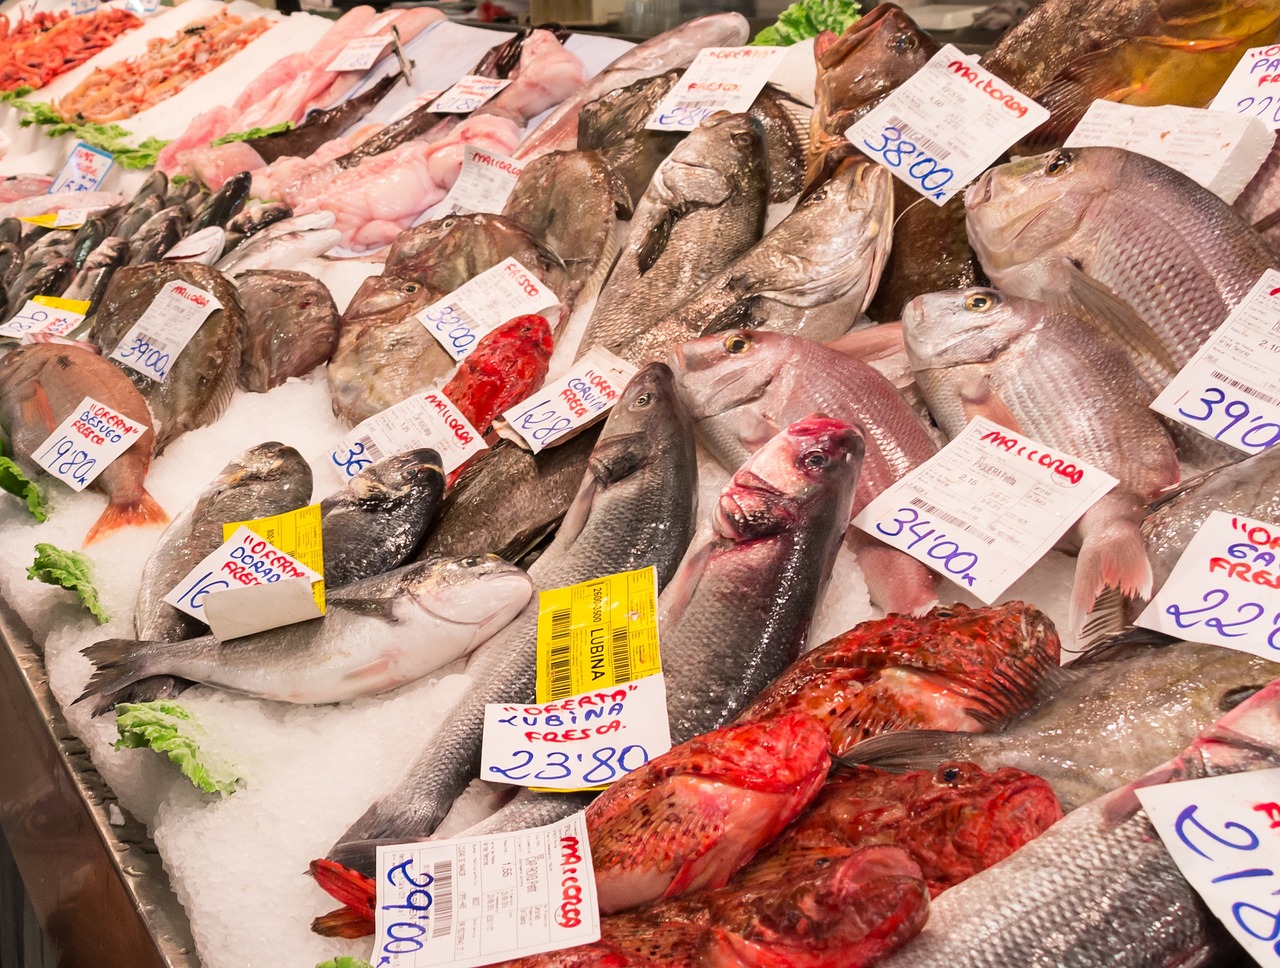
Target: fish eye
(816,460)
(472,561)
(943,613)
(737,343)
(903,43)
(950,774)
(741,138)
(643,400)
(979,302)
(1234,697)
(411,287)
(1059,163)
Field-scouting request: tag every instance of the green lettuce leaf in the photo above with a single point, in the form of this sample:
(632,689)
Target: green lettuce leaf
(344,961)
(253,133)
(15,482)
(808,18)
(168,728)
(108,137)
(69,569)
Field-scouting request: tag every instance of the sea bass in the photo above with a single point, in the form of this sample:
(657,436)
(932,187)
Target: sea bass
(291,326)
(41,386)
(704,207)
(203,376)
(376,635)
(741,603)
(955,668)
(1098,887)
(1124,242)
(1056,379)
(743,386)
(1104,721)
(635,507)
(686,820)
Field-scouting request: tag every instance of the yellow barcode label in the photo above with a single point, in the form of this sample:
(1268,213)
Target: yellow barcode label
(297,534)
(597,633)
(80,306)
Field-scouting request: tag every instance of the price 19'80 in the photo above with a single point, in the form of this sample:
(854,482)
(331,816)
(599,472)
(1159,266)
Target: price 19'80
(68,460)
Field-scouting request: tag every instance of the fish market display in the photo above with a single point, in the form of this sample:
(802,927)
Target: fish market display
(613,125)
(375,635)
(43,45)
(123,89)
(290,326)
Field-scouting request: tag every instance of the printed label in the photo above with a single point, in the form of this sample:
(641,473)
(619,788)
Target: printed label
(85,169)
(945,125)
(1223,832)
(484,184)
(1253,89)
(584,395)
(468,94)
(424,420)
(719,79)
(1230,390)
(46,314)
(82,446)
(479,900)
(1225,589)
(481,305)
(360,54)
(142,7)
(1221,152)
(164,330)
(986,507)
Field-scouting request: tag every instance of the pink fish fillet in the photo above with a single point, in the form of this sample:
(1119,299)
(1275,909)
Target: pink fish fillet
(545,76)
(291,177)
(215,165)
(385,194)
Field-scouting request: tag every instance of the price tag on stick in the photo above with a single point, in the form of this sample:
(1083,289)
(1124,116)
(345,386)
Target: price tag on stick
(84,445)
(945,125)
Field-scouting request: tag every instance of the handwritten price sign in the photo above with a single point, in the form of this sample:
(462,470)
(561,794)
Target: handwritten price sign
(424,420)
(484,303)
(87,166)
(1223,832)
(585,394)
(84,445)
(469,93)
(719,79)
(1230,390)
(1253,88)
(48,315)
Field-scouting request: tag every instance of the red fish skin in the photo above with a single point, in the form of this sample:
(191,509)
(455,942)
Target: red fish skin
(691,817)
(506,366)
(954,668)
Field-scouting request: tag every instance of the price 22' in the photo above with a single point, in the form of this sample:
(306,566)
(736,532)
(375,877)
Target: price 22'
(1235,625)
(925,170)
(1257,434)
(1259,106)
(70,461)
(945,551)
(610,763)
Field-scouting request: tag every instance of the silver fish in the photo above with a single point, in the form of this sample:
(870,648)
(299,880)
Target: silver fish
(204,247)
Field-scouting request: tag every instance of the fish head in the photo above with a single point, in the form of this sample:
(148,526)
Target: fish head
(719,373)
(813,459)
(875,55)
(1019,211)
(961,326)
(271,464)
(1246,738)
(481,591)
(648,400)
(388,295)
(393,481)
(721,159)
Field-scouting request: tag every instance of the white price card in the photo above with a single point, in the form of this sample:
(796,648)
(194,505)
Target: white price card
(84,6)
(1218,151)
(587,392)
(583,741)
(484,184)
(423,420)
(1223,832)
(50,315)
(1253,89)
(946,125)
(719,79)
(1230,390)
(986,507)
(142,7)
(1225,589)
(360,54)
(242,561)
(83,171)
(475,901)
(485,302)
(82,446)
(162,332)
(468,94)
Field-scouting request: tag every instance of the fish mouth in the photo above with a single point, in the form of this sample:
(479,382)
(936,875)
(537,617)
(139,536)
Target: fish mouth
(751,507)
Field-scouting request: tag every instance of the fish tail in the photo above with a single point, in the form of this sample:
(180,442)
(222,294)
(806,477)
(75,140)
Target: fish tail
(344,922)
(355,891)
(118,664)
(1110,557)
(143,510)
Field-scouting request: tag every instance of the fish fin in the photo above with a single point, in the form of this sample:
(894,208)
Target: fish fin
(344,922)
(907,749)
(655,241)
(604,265)
(575,519)
(1110,557)
(1098,76)
(616,186)
(141,512)
(616,458)
(118,663)
(1093,302)
(983,400)
(1106,620)
(679,591)
(35,410)
(350,888)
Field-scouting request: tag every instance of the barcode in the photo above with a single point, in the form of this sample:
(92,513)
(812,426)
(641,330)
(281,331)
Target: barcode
(370,448)
(558,669)
(621,646)
(1237,385)
(154,343)
(442,898)
(952,519)
(939,152)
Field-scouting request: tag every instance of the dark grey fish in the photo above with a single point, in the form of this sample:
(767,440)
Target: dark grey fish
(322,126)
(87,238)
(180,193)
(137,215)
(224,204)
(635,508)
(786,139)
(90,283)
(50,280)
(156,186)
(373,523)
(291,326)
(10,231)
(157,235)
(255,219)
(614,125)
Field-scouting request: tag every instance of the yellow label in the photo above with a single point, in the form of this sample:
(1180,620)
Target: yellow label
(80,306)
(48,220)
(297,534)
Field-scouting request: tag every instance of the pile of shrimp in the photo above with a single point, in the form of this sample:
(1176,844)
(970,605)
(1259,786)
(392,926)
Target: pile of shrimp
(123,89)
(39,48)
